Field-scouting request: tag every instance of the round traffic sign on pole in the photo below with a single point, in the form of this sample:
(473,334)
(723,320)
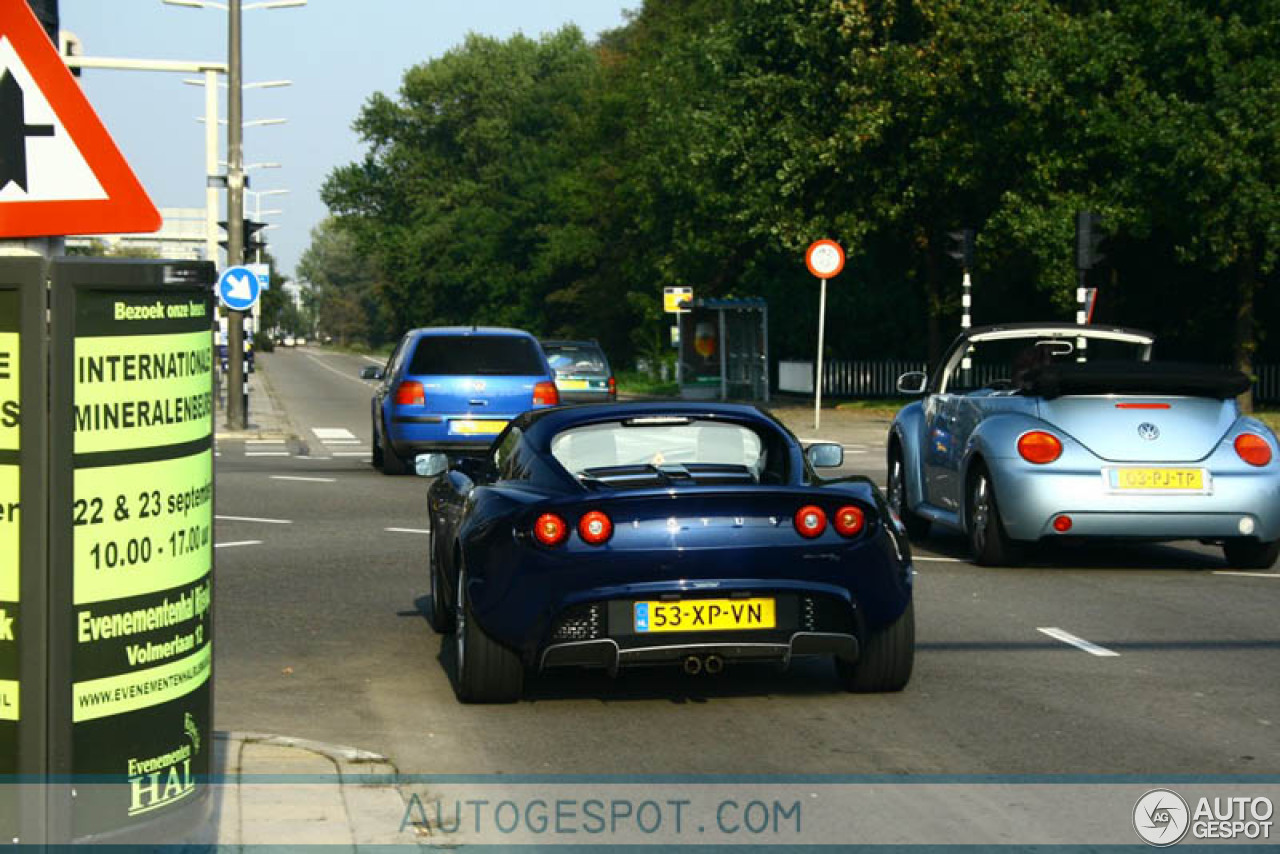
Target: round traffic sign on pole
(824,258)
(238,288)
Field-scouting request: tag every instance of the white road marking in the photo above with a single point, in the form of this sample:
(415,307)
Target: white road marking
(1078,643)
(408,530)
(264,441)
(308,457)
(332,369)
(1259,574)
(239,543)
(266,453)
(351,453)
(939,559)
(306,479)
(324,434)
(337,443)
(254,519)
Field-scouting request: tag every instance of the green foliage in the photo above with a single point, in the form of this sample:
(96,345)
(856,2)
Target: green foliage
(558,185)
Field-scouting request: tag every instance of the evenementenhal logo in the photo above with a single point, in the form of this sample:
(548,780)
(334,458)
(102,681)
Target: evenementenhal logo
(1162,818)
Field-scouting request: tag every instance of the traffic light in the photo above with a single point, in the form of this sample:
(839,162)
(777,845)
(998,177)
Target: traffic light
(1089,237)
(251,237)
(963,251)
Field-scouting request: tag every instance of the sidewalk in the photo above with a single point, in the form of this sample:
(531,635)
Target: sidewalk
(273,790)
(266,419)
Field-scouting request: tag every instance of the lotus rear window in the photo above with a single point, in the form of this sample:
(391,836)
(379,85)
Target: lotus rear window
(470,355)
(640,452)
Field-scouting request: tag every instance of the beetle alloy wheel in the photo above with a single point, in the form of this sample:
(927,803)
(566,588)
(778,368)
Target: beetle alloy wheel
(981,513)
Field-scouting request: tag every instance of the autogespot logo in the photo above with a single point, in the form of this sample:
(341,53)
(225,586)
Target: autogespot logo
(1161,817)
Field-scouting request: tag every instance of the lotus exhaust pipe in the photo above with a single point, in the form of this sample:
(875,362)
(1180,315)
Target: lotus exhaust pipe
(692,665)
(713,665)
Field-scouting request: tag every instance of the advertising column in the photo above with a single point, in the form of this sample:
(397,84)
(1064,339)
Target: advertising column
(141,535)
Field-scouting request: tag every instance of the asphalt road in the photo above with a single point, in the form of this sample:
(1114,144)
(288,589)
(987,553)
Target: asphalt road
(320,633)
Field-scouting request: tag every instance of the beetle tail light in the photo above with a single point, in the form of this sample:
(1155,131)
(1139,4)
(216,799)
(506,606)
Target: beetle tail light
(546,394)
(810,521)
(849,521)
(1039,447)
(595,528)
(411,393)
(550,529)
(1253,449)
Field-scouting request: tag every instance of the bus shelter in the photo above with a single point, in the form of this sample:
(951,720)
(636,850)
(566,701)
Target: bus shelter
(724,349)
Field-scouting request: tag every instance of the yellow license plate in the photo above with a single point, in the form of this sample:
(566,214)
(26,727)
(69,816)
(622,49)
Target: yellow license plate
(573,385)
(1157,479)
(705,615)
(474,428)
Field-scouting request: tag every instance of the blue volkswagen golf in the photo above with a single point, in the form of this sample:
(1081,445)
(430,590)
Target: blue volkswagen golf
(453,389)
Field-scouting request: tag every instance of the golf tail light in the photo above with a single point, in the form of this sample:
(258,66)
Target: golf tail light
(613,387)
(1039,447)
(411,393)
(1253,449)
(595,528)
(546,394)
(849,521)
(810,521)
(550,529)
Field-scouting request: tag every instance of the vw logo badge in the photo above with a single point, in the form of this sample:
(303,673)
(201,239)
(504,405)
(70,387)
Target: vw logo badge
(477,385)
(1148,431)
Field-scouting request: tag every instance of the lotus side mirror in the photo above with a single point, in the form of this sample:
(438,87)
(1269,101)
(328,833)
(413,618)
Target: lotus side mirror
(913,382)
(371,372)
(825,455)
(430,465)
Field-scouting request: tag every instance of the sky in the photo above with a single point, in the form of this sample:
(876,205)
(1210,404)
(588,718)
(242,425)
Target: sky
(336,53)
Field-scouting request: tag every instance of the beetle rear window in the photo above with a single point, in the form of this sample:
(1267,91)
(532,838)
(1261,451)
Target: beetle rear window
(468,355)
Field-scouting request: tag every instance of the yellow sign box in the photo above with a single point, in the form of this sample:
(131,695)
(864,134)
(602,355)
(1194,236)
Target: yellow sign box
(672,297)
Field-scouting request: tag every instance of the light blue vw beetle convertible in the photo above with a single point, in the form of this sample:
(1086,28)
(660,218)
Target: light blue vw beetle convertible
(1030,432)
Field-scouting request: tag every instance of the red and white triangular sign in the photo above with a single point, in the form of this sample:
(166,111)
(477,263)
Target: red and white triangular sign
(60,171)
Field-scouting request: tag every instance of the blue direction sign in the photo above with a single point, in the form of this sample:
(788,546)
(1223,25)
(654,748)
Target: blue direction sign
(239,288)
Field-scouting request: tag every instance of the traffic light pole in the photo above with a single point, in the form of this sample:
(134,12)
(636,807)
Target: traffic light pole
(237,412)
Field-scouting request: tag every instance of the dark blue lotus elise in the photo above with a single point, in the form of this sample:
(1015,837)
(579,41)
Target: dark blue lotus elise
(674,533)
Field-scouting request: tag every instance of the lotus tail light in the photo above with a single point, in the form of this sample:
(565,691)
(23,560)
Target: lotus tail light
(1039,447)
(849,521)
(550,529)
(595,528)
(1253,449)
(411,393)
(810,521)
(546,394)
(1062,524)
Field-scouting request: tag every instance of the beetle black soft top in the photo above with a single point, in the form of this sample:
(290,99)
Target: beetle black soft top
(1163,378)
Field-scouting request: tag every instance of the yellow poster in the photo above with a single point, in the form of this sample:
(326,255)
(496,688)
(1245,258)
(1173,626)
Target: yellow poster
(142,391)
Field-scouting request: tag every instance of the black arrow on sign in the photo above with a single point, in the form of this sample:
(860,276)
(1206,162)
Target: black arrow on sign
(14,131)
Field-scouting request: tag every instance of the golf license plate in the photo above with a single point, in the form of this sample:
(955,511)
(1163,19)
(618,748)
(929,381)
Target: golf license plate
(705,615)
(573,385)
(1157,479)
(477,428)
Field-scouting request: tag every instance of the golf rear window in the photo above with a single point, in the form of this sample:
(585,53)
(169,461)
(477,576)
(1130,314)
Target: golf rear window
(468,355)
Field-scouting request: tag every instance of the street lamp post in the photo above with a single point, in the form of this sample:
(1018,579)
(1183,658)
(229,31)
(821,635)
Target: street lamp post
(237,412)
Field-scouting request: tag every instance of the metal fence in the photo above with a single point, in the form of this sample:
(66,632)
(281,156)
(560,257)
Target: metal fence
(879,379)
